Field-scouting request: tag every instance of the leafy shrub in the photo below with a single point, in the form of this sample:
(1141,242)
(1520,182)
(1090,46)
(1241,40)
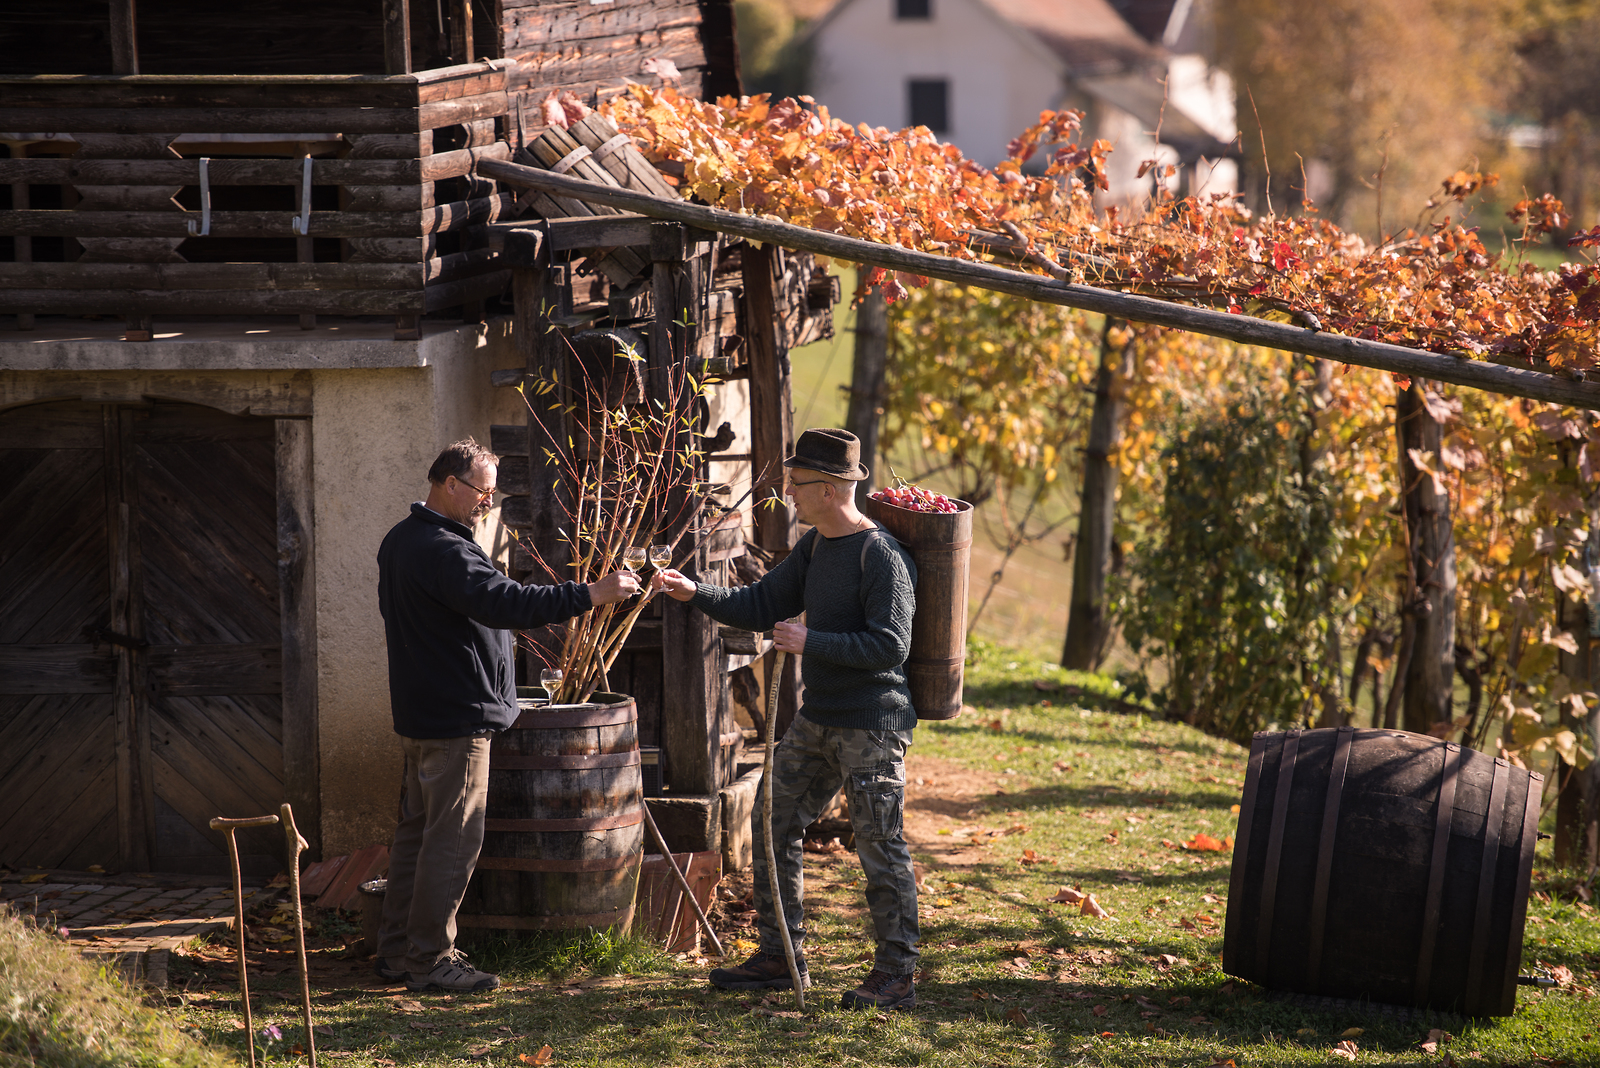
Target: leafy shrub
(1228,588)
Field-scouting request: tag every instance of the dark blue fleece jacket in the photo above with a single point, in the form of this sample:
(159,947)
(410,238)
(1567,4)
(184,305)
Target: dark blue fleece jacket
(448,615)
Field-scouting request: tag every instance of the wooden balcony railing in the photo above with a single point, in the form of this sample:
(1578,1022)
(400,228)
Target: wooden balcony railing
(204,195)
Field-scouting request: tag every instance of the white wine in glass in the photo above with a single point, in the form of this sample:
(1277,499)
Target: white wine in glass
(660,555)
(633,557)
(550,679)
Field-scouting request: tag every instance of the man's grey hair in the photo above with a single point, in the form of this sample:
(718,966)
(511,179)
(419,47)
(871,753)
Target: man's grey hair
(458,459)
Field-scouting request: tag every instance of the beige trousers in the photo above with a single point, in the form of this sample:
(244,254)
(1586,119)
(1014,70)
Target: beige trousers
(436,844)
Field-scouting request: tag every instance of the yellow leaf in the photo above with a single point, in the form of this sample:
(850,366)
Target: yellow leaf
(36,877)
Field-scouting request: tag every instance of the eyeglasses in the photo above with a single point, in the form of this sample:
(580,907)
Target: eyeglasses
(490,492)
(813,482)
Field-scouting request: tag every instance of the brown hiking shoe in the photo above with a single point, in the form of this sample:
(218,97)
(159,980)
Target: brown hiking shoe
(880,990)
(763,971)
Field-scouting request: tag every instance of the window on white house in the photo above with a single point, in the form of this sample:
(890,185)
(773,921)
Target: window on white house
(929,100)
(913,9)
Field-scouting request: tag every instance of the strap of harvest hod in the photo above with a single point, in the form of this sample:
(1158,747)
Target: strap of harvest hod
(1330,830)
(1269,879)
(1486,873)
(1441,845)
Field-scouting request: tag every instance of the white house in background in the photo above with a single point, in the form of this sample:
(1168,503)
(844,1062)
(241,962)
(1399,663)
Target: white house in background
(978,72)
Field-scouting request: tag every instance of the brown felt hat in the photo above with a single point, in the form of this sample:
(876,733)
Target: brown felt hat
(832,452)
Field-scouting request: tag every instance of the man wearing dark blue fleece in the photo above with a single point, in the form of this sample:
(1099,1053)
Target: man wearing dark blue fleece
(448,615)
(856,586)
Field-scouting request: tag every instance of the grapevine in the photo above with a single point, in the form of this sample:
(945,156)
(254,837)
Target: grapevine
(1434,286)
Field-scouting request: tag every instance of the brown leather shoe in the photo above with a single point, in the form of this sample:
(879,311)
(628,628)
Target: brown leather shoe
(763,971)
(880,990)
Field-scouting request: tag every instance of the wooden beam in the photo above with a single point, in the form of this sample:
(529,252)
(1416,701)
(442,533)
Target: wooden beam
(124,35)
(70,170)
(1397,359)
(350,120)
(144,302)
(297,595)
(397,37)
(442,218)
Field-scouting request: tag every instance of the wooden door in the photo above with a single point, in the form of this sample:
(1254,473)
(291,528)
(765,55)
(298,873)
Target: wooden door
(141,672)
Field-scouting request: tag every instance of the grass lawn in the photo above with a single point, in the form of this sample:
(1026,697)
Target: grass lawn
(1029,791)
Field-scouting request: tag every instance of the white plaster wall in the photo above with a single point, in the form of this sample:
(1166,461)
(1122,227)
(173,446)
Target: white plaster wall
(374,435)
(1000,78)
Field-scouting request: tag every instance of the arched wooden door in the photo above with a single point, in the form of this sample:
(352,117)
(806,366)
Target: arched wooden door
(141,657)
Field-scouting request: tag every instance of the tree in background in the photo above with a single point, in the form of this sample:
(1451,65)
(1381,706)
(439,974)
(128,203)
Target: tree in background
(1373,101)
(1558,94)
(773,57)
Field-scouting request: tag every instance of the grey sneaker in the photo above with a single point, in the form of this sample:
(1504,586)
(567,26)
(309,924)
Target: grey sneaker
(453,973)
(380,966)
(763,971)
(880,990)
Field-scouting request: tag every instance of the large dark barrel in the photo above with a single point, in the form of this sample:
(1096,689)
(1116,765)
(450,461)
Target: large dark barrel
(564,833)
(940,543)
(1382,865)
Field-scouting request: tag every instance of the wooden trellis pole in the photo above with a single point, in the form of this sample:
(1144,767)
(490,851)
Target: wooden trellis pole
(1477,374)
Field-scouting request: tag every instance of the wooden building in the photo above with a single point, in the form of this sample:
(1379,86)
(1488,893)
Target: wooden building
(249,285)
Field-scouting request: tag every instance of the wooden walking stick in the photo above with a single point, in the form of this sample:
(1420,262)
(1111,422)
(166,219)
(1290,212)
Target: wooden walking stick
(682,880)
(766,833)
(221,824)
(293,843)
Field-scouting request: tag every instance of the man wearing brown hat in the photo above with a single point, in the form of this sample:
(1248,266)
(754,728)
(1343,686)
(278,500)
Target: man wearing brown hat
(856,587)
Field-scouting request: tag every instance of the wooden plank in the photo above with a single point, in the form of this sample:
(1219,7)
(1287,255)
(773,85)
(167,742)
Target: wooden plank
(205,276)
(259,120)
(213,302)
(1397,359)
(284,92)
(297,594)
(449,294)
(598,232)
(50,669)
(199,670)
(506,439)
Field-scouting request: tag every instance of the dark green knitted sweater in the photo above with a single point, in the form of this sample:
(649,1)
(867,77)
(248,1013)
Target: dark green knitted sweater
(858,625)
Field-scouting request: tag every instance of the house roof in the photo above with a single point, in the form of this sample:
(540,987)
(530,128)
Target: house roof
(1088,35)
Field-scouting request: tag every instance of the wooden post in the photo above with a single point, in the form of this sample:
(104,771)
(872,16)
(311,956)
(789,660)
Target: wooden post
(461,32)
(541,294)
(124,36)
(1429,674)
(1088,626)
(771,417)
(691,652)
(297,597)
(396,37)
(866,382)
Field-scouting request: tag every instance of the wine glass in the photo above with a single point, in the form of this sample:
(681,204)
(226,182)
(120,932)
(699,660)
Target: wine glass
(660,555)
(633,557)
(550,678)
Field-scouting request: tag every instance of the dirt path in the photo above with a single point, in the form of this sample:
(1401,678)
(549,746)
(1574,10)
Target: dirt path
(945,795)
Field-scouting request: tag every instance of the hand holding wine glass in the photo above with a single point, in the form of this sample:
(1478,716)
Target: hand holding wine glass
(660,555)
(633,557)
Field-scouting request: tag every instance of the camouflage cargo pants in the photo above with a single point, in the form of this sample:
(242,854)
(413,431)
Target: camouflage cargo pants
(811,763)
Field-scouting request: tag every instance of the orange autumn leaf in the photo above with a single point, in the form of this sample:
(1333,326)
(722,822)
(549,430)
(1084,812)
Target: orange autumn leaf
(1203,842)
(542,1057)
(1068,895)
(1091,907)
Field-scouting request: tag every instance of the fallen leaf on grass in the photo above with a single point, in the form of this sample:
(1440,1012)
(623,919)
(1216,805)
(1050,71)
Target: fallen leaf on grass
(1016,1016)
(323,1029)
(386,1062)
(1170,961)
(1030,857)
(1436,1038)
(1352,1032)
(1222,1064)
(1198,1020)
(424,1025)
(1068,895)
(408,1006)
(1347,1050)
(1099,1010)
(1091,907)
(479,1052)
(1204,843)
(542,1057)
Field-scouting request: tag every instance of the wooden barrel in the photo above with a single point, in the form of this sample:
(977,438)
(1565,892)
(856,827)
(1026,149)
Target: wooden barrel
(940,543)
(564,833)
(1382,865)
